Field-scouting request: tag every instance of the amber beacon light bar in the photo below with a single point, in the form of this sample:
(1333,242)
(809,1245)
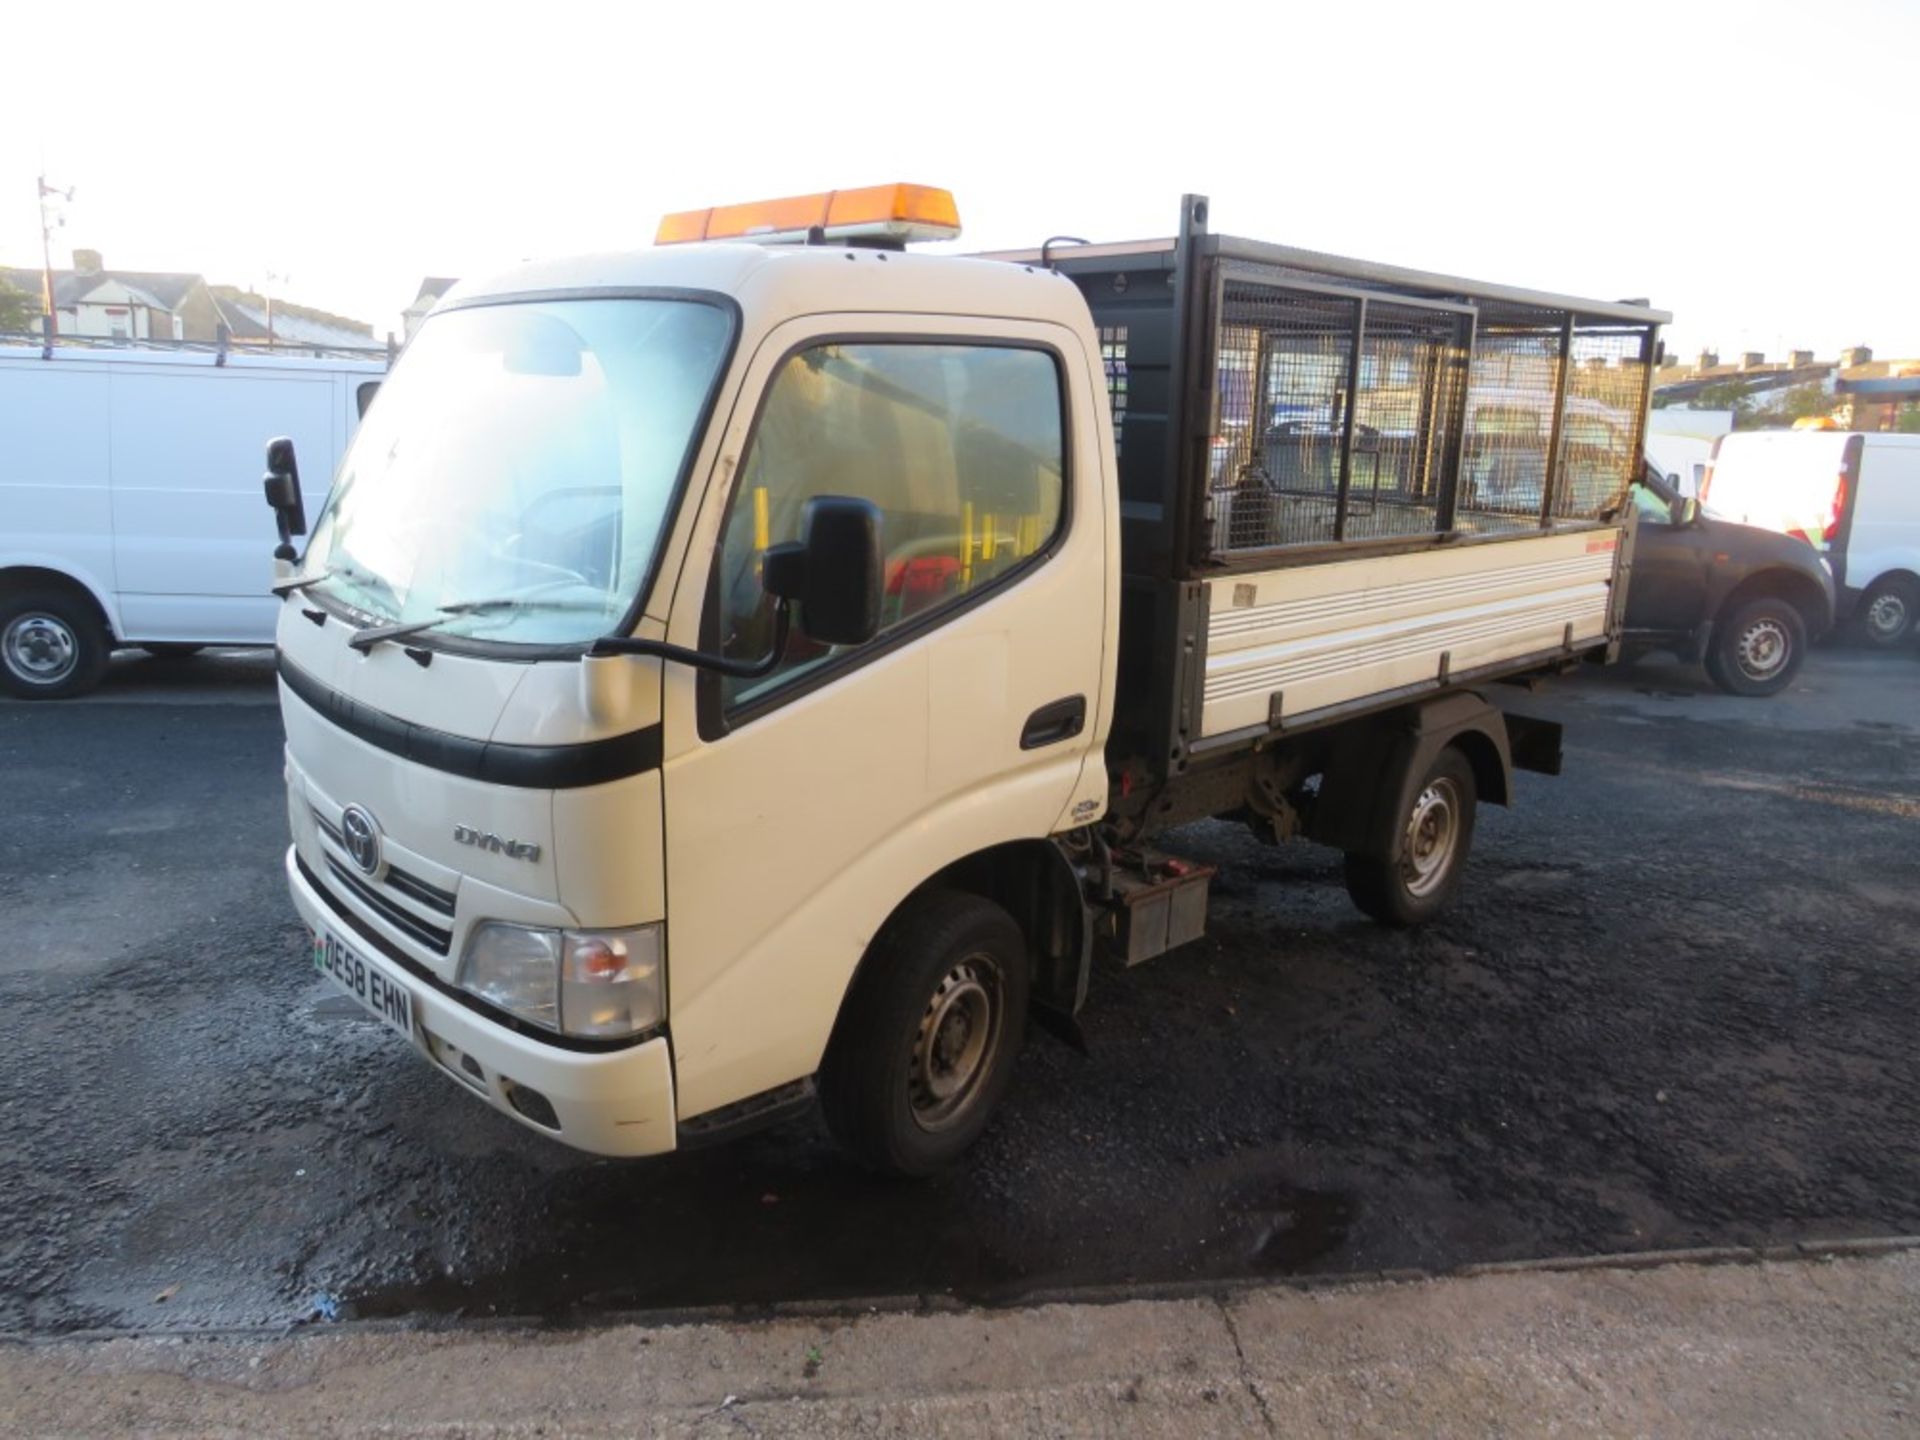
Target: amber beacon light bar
(883,213)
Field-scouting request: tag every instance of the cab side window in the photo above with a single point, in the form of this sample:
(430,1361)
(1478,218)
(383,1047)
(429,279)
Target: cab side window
(1651,506)
(960,446)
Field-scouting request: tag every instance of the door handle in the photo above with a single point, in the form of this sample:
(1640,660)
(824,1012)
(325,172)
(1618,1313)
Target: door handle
(1051,723)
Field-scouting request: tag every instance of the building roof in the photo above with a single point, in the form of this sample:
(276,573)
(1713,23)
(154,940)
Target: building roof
(166,287)
(246,316)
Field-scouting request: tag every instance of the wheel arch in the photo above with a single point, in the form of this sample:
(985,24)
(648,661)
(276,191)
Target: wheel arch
(1374,769)
(16,577)
(1801,591)
(1035,882)
(1892,572)
(1491,769)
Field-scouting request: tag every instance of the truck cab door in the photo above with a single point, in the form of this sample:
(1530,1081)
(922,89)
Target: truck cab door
(803,806)
(1668,592)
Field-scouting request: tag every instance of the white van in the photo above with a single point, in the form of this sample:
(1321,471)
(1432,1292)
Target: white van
(1855,497)
(130,499)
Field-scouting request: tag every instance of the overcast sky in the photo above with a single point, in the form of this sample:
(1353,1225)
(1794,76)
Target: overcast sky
(1747,166)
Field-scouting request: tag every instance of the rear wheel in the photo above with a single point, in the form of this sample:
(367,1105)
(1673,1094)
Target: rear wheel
(1889,611)
(52,645)
(1418,863)
(1757,648)
(925,1044)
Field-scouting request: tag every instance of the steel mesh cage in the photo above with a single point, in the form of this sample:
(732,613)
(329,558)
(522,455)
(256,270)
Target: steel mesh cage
(1600,432)
(1360,415)
(1512,395)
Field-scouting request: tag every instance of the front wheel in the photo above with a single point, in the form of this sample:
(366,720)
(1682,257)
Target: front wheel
(1757,649)
(1889,611)
(52,645)
(1419,861)
(925,1044)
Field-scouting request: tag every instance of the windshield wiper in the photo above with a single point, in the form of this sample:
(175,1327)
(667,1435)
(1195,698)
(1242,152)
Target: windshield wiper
(298,583)
(365,639)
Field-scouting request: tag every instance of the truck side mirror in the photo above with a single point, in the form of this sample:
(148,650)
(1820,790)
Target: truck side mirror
(282,486)
(1686,510)
(833,571)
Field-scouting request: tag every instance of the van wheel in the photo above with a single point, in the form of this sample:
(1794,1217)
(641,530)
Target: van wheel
(52,645)
(1757,648)
(172,650)
(1888,611)
(1419,862)
(926,1040)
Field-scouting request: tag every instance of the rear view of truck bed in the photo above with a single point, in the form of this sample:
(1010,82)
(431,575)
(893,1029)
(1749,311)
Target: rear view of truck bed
(1344,485)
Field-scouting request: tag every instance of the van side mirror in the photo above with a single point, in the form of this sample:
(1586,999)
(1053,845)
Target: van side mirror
(1686,511)
(833,571)
(282,486)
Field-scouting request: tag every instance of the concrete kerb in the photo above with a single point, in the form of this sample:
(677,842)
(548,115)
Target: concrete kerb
(848,1309)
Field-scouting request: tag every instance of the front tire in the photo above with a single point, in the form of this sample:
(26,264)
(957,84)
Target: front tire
(1888,612)
(52,645)
(1758,648)
(1417,864)
(925,1044)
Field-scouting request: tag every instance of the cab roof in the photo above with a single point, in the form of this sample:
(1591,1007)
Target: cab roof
(782,281)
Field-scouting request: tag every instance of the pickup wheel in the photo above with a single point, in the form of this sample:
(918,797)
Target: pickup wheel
(1757,647)
(925,1044)
(1887,613)
(1419,862)
(52,645)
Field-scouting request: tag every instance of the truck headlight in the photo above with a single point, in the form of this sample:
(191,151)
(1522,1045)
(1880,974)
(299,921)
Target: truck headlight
(597,984)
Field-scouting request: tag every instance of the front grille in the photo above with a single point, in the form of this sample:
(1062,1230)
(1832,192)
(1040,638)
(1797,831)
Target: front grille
(435,939)
(414,888)
(405,881)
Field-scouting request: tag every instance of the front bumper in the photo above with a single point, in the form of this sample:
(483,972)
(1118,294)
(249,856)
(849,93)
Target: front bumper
(617,1102)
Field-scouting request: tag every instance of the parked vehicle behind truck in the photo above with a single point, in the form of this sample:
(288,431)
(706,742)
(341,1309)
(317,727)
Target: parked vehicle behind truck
(1744,601)
(128,509)
(1855,497)
(739,674)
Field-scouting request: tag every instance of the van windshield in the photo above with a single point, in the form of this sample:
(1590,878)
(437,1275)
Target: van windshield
(512,478)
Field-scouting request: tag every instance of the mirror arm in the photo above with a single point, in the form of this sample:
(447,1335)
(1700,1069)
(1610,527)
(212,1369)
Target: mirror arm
(700,659)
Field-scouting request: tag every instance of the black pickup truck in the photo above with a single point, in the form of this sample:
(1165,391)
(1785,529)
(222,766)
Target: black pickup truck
(1744,600)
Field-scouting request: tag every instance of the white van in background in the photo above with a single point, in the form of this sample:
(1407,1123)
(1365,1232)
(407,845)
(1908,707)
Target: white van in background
(130,499)
(1855,497)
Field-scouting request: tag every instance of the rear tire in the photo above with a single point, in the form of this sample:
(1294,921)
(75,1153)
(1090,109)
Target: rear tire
(172,650)
(925,1044)
(1887,614)
(1417,863)
(1757,647)
(52,645)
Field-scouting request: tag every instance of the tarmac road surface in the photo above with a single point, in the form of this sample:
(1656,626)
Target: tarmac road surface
(1674,1006)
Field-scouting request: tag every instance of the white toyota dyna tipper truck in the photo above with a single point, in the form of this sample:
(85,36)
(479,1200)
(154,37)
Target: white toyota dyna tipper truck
(759,671)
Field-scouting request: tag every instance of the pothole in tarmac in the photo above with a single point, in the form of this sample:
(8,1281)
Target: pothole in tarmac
(1294,1228)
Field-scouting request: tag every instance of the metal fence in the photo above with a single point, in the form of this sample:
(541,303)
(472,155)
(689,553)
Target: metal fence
(1357,416)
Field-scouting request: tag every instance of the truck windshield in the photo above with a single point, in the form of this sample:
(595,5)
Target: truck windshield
(511,480)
